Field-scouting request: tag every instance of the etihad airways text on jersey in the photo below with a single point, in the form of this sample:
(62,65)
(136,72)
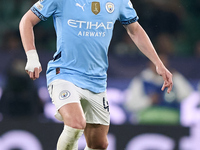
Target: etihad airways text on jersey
(90,25)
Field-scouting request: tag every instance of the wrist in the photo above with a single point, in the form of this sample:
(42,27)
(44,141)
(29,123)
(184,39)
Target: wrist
(32,55)
(158,63)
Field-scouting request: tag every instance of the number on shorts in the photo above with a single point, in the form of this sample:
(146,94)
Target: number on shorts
(105,104)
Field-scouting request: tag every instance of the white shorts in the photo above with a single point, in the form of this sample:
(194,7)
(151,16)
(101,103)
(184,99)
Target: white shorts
(95,105)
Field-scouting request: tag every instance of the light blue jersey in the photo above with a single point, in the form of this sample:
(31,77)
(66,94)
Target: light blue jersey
(84,30)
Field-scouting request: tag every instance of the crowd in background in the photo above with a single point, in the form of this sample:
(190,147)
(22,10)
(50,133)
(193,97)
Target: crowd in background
(173,26)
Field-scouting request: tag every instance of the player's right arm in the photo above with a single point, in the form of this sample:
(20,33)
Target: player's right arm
(33,66)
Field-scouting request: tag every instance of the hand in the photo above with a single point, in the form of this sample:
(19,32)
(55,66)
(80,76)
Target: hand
(33,66)
(35,74)
(167,77)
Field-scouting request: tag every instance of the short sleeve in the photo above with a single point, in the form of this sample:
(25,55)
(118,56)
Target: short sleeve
(128,14)
(44,8)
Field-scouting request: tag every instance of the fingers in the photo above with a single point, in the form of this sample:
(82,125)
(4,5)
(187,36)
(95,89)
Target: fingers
(36,71)
(167,77)
(35,74)
(169,88)
(168,83)
(31,74)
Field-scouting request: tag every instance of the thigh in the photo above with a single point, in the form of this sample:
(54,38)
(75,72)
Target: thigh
(67,102)
(96,136)
(73,115)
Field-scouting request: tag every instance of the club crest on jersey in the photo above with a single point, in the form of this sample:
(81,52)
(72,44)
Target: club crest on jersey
(95,7)
(64,94)
(110,7)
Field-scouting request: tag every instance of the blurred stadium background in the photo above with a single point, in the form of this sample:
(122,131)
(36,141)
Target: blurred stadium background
(142,117)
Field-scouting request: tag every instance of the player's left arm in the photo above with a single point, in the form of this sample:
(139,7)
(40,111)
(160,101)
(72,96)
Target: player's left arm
(141,39)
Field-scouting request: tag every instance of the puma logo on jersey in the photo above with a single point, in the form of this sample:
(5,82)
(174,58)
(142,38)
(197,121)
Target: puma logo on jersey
(82,7)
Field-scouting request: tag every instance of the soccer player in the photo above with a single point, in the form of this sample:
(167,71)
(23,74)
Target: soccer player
(76,77)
